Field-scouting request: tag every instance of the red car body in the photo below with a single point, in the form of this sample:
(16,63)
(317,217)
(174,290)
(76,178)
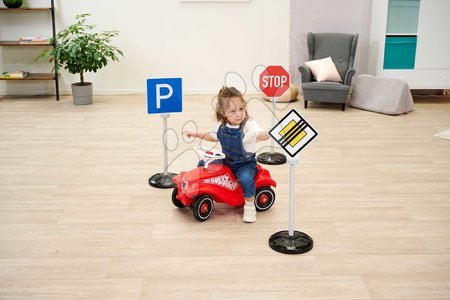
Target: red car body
(200,187)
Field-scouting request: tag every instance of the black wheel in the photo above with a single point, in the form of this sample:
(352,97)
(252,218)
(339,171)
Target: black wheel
(175,201)
(264,199)
(203,207)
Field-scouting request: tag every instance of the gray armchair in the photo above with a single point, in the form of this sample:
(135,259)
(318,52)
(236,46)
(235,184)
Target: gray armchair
(341,47)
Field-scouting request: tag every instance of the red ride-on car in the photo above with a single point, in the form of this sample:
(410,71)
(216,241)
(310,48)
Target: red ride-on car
(202,186)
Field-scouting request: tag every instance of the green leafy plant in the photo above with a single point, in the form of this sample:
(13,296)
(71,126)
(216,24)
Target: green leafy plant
(13,3)
(79,49)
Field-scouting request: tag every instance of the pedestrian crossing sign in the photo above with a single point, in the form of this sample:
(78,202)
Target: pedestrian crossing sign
(293,133)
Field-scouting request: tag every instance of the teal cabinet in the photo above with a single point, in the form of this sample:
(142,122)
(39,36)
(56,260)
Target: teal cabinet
(399,52)
(403,16)
(420,56)
(401,34)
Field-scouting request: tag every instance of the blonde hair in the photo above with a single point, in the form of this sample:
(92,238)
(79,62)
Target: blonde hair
(223,99)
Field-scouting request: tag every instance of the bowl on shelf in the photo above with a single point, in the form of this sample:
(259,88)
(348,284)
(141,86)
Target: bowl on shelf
(13,3)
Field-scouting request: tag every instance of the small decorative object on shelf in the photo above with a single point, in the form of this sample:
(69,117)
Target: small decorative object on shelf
(33,40)
(13,3)
(14,75)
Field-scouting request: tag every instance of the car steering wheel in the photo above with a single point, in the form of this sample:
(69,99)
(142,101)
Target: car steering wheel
(209,155)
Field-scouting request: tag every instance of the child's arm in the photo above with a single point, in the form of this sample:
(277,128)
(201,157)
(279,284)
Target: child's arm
(201,135)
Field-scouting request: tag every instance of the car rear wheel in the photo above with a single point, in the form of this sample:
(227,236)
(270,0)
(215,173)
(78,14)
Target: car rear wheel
(264,199)
(203,207)
(175,201)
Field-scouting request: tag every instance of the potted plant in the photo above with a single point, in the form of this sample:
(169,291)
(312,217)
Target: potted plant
(79,49)
(12,3)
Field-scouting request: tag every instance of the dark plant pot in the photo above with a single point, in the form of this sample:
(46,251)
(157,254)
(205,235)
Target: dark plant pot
(13,3)
(82,94)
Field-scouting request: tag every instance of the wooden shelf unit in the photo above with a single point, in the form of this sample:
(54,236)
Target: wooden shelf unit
(34,76)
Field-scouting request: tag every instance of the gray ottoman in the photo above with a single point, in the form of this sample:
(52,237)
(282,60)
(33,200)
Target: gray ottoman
(382,95)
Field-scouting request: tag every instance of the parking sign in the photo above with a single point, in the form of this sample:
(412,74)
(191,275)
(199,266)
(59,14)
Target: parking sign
(164,95)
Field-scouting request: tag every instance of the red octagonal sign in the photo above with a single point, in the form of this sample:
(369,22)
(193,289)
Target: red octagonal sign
(274,81)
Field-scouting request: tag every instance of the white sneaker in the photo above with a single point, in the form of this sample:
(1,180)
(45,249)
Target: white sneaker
(249,214)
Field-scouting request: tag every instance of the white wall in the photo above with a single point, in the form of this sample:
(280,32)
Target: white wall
(200,42)
(347,16)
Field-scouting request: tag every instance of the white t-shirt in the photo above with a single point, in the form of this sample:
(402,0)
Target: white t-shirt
(251,131)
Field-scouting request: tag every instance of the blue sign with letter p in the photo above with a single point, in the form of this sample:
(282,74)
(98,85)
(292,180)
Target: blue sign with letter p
(164,95)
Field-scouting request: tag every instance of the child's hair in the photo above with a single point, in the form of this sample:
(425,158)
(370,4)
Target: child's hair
(223,98)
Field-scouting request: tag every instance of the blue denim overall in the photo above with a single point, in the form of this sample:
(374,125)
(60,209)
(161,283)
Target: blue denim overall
(242,163)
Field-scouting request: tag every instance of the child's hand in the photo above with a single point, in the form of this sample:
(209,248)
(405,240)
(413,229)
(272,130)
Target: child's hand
(189,134)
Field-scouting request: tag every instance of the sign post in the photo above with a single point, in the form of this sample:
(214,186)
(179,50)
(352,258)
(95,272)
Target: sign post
(273,82)
(292,133)
(164,95)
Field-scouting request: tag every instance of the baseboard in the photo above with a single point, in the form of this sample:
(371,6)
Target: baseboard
(429,92)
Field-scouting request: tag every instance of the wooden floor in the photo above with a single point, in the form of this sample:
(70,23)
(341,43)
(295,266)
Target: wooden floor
(78,219)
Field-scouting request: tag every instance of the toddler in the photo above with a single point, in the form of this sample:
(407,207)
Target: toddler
(238,135)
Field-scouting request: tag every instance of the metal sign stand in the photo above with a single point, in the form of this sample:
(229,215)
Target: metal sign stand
(272,157)
(163,180)
(292,133)
(291,242)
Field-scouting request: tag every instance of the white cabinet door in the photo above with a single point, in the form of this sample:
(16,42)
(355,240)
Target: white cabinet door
(433,35)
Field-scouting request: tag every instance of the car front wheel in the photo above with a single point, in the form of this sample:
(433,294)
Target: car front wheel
(264,199)
(203,207)
(175,201)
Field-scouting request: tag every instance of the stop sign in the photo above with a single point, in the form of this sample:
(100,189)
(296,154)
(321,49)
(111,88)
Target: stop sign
(274,81)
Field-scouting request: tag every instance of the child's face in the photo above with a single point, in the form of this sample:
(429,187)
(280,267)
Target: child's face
(235,112)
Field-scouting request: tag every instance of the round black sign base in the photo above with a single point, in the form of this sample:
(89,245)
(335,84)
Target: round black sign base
(271,158)
(162,181)
(297,244)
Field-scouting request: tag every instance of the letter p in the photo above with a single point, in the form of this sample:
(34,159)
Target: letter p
(160,97)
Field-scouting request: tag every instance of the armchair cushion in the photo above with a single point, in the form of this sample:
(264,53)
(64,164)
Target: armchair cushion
(324,69)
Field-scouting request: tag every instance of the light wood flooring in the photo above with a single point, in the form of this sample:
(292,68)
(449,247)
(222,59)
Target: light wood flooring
(78,219)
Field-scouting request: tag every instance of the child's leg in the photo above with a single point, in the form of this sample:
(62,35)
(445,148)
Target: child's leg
(249,215)
(246,178)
